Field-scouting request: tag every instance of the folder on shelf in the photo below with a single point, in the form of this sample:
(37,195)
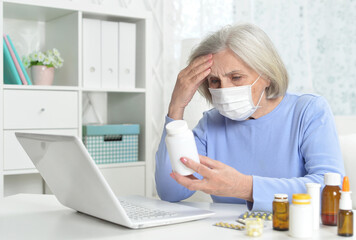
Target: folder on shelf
(16,63)
(109,54)
(11,75)
(28,80)
(91,53)
(127,55)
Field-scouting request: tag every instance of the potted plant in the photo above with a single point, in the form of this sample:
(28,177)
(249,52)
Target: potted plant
(42,65)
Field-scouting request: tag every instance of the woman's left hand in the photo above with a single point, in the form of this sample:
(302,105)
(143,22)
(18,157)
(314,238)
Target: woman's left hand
(218,179)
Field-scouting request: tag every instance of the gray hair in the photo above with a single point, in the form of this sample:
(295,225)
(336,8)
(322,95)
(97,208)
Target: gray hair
(252,45)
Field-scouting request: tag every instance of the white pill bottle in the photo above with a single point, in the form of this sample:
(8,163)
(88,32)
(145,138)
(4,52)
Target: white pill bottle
(180,142)
(301,216)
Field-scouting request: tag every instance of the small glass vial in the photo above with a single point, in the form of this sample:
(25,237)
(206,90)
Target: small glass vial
(180,142)
(254,227)
(345,224)
(280,212)
(330,198)
(301,216)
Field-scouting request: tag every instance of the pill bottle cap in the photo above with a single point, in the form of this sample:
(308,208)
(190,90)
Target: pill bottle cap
(281,197)
(301,198)
(332,179)
(176,127)
(312,185)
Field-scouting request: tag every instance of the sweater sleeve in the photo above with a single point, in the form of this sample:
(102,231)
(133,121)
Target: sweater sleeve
(167,188)
(320,150)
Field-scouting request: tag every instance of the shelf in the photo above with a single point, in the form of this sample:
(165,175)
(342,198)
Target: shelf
(102,166)
(59,24)
(125,164)
(28,11)
(44,10)
(40,87)
(135,90)
(21,171)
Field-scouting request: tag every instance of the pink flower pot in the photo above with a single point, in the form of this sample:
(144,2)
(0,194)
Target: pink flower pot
(42,75)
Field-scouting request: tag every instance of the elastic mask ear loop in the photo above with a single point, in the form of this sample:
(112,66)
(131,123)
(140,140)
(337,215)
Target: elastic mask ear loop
(261,94)
(257,106)
(256,80)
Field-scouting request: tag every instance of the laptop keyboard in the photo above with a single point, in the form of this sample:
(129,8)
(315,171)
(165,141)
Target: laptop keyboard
(136,212)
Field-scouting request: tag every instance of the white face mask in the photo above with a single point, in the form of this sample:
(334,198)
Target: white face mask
(235,102)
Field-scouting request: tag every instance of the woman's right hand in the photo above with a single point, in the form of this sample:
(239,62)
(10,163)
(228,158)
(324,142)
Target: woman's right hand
(188,82)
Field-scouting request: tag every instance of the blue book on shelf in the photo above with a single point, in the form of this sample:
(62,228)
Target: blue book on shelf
(11,75)
(20,62)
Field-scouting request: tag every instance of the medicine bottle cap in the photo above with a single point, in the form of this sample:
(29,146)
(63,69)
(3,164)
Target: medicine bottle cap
(176,127)
(345,200)
(332,179)
(281,197)
(301,198)
(312,185)
(346,184)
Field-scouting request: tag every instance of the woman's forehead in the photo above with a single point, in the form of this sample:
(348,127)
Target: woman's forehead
(226,63)
(236,71)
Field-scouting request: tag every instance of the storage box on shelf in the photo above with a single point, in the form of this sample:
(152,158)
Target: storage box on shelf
(57,109)
(114,143)
(124,107)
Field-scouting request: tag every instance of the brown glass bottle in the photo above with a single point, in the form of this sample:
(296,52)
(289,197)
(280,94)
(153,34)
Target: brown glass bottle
(330,205)
(345,223)
(281,212)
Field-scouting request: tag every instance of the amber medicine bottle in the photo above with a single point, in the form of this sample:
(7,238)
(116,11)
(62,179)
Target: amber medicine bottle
(345,224)
(330,199)
(280,212)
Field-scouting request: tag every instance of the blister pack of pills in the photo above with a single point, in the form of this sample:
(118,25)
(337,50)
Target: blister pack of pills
(229,225)
(267,216)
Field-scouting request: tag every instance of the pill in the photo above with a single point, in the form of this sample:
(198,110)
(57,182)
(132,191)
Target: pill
(240,220)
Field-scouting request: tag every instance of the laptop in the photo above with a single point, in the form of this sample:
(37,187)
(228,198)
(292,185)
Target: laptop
(73,177)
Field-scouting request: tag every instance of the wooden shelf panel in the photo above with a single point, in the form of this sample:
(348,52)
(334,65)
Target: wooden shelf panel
(101,166)
(135,90)
(21,171)
(44,10)
(118,165)
(40,87)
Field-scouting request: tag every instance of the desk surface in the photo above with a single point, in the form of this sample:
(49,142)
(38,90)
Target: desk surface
(30,216)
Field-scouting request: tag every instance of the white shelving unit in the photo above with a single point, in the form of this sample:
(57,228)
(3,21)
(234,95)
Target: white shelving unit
(58,108)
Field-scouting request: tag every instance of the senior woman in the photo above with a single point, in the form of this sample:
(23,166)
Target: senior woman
(258,139)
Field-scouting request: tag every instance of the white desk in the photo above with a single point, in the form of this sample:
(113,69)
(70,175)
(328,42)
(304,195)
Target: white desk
(30,216)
